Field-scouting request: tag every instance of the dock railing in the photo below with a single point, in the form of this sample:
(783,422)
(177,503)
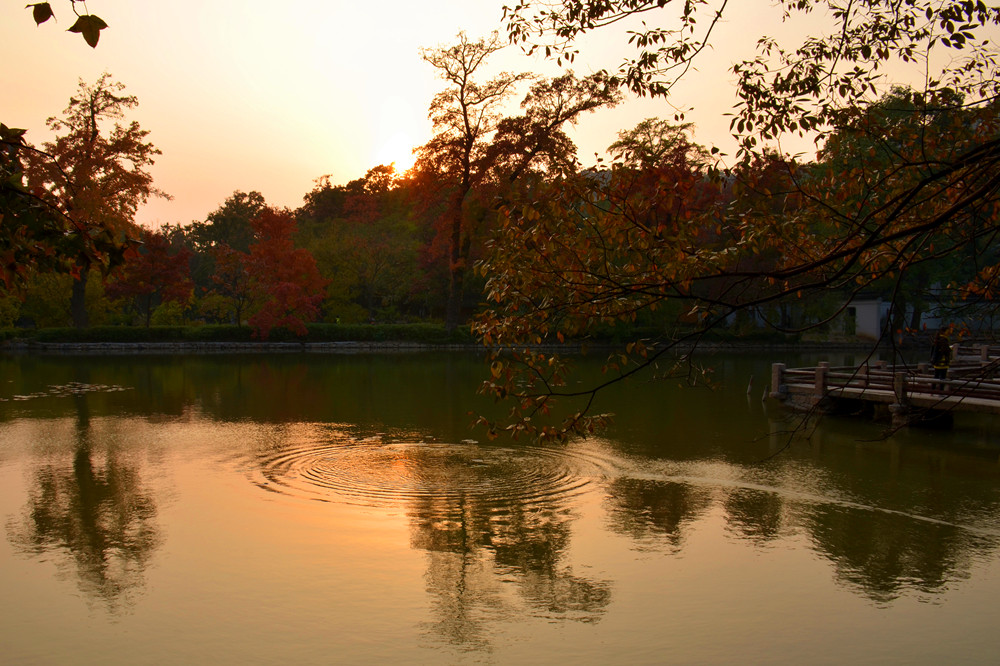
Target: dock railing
(970,385)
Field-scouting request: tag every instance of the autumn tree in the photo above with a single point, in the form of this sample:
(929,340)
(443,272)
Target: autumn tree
(464,115)
(284,278)
(819,228)
(93,175)
(155,272)
(475,141)
(588,250)
(36,235)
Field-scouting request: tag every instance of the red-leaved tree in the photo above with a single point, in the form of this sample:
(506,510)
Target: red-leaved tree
(154,273)
(285,279)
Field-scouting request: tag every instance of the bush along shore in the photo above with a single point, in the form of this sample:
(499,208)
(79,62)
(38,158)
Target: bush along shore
(343,338)
(235,338)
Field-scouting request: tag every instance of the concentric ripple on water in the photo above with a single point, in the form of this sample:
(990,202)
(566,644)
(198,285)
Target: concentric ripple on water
(384,473)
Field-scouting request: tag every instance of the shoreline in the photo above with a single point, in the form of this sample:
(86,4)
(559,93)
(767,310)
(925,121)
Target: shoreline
(192,347)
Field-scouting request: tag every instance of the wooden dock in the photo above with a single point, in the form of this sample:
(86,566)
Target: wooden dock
(904,394)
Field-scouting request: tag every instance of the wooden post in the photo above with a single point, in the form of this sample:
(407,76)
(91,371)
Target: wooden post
(899,387)
(984,353)
(778,381)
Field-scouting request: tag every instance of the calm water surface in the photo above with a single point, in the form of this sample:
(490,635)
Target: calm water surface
(319,509)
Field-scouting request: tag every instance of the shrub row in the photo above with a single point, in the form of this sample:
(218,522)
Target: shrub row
(421,333)
(424,333)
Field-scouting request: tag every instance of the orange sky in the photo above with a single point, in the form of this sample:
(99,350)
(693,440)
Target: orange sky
(262,96)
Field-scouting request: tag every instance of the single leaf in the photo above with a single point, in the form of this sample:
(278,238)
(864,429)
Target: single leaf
(90,26)
(41,12)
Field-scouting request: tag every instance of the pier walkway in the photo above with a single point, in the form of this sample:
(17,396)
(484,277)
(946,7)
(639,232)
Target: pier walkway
(905,394)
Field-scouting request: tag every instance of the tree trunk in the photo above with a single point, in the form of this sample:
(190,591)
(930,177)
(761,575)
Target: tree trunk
(456,265)
(78,301)
(453,310)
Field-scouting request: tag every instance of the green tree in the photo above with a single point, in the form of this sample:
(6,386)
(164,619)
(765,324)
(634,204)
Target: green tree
(231,223)
(654,141)
(232,282)
(365,241)
(904,127)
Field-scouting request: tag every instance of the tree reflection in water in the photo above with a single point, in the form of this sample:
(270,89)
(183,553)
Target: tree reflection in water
(655,510)
(877,551)
(499,554)
(906,517)
(883,554)
(478,554)
(94,516)
(755,515)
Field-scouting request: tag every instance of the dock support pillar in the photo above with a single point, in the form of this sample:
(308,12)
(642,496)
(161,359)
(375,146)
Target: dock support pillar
(819,387)
(900,409)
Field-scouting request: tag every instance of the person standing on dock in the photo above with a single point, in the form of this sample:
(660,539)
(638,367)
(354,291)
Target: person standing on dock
(940,359)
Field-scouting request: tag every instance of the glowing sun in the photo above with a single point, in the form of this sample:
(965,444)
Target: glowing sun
(397,149)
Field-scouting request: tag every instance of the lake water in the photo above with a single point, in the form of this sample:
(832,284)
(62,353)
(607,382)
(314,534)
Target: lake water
(322,509)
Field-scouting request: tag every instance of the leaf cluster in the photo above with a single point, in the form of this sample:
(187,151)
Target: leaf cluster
(89,26)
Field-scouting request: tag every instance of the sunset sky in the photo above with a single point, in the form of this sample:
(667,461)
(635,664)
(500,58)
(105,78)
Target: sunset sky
(268,96)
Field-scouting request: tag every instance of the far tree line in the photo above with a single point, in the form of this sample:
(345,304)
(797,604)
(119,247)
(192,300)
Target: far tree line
(395,247)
